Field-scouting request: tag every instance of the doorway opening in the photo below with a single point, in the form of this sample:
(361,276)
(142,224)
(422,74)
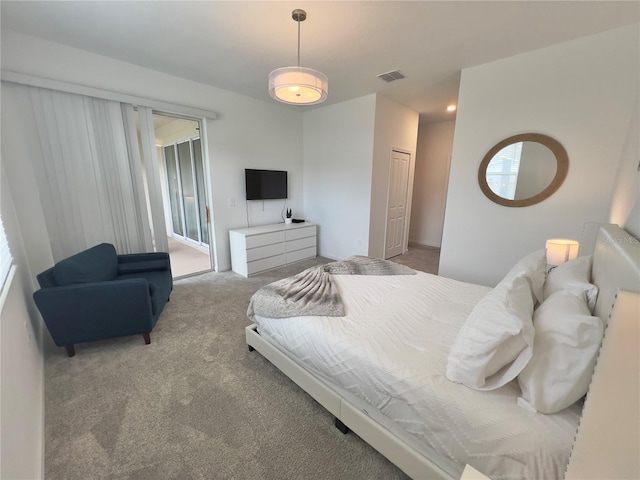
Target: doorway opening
(184,193)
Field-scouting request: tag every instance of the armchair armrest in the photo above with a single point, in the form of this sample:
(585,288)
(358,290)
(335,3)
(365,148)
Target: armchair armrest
(143,262)
(94,311)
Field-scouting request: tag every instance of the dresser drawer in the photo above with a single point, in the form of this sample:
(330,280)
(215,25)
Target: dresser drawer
(264,239)
(303,232)
(264,252)
(301,243)
(301,254)
(265,264)
(265,247)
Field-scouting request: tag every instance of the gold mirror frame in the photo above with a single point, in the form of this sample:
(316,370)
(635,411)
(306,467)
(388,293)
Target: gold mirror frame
(562,161)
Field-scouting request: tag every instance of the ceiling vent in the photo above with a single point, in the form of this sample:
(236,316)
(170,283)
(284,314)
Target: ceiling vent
(391,76)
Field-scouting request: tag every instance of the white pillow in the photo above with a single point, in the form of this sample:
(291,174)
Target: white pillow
(495,342)
(573,275)
(566,344)
(534,267)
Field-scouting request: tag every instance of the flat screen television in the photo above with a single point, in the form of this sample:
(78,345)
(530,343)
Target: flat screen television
(265,184)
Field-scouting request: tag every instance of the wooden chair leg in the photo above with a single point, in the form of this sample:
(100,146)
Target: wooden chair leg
(147,338)
(71,350)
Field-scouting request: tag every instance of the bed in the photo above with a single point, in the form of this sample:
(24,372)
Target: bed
(381,370)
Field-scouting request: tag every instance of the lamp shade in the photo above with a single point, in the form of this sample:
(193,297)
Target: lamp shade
(298,85)
(561,250)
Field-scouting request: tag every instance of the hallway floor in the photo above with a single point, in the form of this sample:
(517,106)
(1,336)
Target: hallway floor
(420,257)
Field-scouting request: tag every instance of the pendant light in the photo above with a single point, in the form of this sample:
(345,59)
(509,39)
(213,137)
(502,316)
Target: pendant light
(298,85)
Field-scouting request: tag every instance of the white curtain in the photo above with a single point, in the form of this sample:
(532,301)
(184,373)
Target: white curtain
(5,258)
(85,158)
(149,153)
(135,163)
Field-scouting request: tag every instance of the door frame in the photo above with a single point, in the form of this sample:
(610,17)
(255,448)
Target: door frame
(409,195)
(204,144)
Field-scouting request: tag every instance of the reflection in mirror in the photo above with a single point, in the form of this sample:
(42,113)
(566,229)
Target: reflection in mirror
(512,179)
(523,170)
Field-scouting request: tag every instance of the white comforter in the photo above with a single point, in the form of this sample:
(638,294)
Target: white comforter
(391,349)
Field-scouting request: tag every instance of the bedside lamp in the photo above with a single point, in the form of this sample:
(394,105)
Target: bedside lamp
(561,250)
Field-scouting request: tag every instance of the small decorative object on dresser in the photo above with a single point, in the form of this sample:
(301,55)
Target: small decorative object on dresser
(287,220)
(257,249)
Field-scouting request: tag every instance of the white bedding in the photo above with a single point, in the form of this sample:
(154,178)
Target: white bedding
(391,349)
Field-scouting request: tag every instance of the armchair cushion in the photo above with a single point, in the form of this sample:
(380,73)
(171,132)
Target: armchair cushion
(97,264)
(160,285)
(143,262)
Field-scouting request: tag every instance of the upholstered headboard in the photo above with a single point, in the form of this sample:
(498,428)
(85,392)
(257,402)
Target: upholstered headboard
(608,438)
(616,264)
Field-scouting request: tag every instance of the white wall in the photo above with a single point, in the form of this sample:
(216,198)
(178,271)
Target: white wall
(625,203)
(247,134)
(435,142)
(582,94)
(347,149)
(22,384)
(338,156)
(396,126)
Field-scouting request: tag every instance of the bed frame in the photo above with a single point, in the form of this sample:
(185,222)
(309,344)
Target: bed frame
(616,266)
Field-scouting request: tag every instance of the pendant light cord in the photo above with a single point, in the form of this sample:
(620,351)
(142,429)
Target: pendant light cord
(298,42)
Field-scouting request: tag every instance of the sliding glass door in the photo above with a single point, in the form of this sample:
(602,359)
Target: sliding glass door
(185,175)
(174,190)
(203,209)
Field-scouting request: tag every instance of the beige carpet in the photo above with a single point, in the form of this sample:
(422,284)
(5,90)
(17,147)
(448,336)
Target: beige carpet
(195,404)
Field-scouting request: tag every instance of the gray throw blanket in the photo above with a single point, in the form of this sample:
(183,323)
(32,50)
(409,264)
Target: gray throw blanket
(312,292)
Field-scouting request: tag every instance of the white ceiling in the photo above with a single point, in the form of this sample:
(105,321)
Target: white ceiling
(235,44)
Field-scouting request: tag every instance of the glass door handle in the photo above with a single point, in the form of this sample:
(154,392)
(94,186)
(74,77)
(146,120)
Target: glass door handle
(208,213)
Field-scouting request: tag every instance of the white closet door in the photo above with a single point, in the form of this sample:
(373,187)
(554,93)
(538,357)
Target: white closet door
(397,203)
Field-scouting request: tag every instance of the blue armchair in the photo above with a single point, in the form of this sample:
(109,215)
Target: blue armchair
(97,294)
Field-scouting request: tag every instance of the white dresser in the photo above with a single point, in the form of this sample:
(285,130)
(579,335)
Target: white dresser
(256,249)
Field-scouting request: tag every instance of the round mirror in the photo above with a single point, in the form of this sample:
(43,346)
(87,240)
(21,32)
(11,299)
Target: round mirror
(523,170)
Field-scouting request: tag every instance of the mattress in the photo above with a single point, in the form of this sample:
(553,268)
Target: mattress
(390,351)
